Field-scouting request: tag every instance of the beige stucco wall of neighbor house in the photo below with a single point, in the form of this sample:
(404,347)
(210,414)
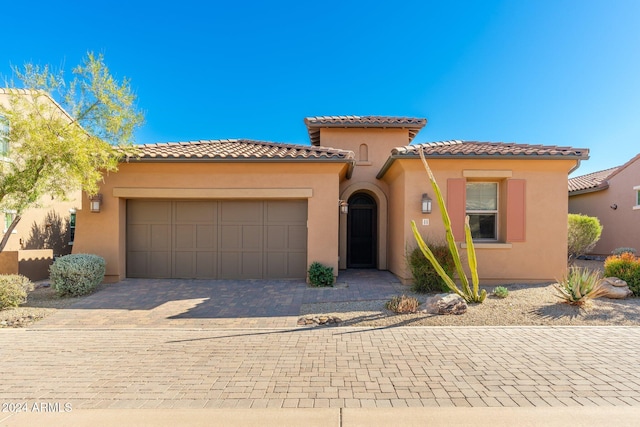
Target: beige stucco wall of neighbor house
(45,217)
(372,147)
(541,257)
(620,225)
(104,233)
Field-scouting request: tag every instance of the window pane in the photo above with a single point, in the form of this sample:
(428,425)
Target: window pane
(638,198)
(482,226)
(482,196)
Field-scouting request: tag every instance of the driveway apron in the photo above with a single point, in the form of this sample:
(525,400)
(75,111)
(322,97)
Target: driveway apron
(162,303)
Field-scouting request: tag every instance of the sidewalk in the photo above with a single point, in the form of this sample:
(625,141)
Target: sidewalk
(410,417)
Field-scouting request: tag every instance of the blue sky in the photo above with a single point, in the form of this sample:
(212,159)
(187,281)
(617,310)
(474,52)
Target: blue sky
(538,72)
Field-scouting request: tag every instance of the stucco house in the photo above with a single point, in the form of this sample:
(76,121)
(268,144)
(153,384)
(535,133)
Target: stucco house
(613,196)
(44,231)
(242,209)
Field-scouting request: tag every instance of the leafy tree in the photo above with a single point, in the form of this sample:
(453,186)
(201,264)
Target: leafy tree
(584,233)
(61,136)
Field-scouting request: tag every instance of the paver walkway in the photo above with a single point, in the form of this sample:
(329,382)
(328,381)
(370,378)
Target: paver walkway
(150,303)
(322,367)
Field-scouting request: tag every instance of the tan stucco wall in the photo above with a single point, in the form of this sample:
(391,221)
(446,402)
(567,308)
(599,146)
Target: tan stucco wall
(372,147)
(542,257)
(104,233)
(620,227)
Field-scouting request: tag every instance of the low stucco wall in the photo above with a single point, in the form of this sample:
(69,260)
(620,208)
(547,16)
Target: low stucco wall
(33,264)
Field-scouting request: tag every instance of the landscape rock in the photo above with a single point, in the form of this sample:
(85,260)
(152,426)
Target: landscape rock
(446,304)
(615,288)
(318,320)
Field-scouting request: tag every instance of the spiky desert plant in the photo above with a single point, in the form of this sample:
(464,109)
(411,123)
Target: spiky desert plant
(469,294)
(402,304)
(579,286)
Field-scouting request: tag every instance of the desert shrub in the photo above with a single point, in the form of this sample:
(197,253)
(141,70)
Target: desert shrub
(584,233)
(13,290)
(620,251)
(501,292)
(625,266)
(402,304)
(78,274)
(579,286)
(425,277)
(320,275)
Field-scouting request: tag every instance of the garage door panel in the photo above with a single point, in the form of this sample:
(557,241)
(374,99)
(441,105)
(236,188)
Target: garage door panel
(252,237)
(205,237)
(184,264)
(230,237)
(147,211)
(196,212)
(159,264)
(138,237)
(245,211)
(276,237)
(160,237)
(251,265)
(280,211)
(276,265)
(297,237)
(297,265)
(206,264)
(230,265)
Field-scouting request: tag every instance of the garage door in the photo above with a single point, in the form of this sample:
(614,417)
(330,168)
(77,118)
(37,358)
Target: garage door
(244,239)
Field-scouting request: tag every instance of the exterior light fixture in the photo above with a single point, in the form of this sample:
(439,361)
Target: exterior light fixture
(614,206)
(426,204)
(344,206)
(95,203)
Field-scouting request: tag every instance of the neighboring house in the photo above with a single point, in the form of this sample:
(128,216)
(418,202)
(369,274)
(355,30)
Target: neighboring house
(241,209)
(43,232)
(613,196)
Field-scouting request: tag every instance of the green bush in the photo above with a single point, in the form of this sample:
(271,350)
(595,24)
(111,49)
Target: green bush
(625,266)
(501,292)
(78,274)
(584,233)
(425,277)
(13,290)
(320,275)
(402,304)
(579,286)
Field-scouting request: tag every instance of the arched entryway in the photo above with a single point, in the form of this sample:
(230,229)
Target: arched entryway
(362,226)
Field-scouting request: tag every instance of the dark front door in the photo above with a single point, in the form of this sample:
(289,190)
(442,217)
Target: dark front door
(361,232)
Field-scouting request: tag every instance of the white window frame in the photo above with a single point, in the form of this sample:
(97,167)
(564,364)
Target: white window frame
(4,137)
(12,214)
(495,212)
(636,189)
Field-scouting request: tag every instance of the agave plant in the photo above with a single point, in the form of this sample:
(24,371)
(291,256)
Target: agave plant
(579,286)
(467,293)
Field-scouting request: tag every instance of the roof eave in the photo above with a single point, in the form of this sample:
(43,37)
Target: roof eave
(393,157)
(589,190)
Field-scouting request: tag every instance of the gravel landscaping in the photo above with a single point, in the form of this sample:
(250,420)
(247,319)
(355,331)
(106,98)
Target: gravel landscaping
(526,304)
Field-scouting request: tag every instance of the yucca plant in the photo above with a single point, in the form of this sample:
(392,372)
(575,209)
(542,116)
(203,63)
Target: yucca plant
(579,286)
(467,293)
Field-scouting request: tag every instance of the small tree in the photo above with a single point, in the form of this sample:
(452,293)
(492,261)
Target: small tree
(62,136)
(584,233)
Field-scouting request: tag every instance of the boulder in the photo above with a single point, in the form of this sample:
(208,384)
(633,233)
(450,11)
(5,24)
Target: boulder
(446,304)
(615,288)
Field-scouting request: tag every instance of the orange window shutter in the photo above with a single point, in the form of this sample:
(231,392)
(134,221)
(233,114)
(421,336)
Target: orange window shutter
(457,206)
(516,210)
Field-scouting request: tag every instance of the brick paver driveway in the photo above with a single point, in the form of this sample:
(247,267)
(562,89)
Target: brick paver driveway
(151,344)
(163,303)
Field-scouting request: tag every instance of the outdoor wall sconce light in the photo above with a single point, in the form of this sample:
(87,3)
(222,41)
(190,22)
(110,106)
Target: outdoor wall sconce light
(95,203)
(614,206)
(426,204)
(344,206)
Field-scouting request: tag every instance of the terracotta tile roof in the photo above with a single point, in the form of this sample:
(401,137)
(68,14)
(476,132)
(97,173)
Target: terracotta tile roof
(456,148)
(239,150)
(314,124)
(594,181)
(473,149)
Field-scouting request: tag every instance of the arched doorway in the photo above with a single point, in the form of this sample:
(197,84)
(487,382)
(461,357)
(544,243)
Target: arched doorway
(362,225)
